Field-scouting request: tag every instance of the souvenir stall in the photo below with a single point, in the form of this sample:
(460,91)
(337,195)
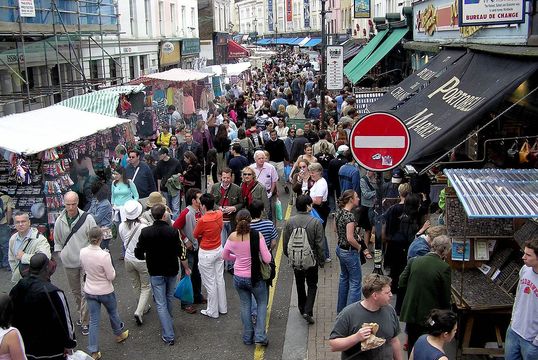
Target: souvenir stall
(233,74)
(188,90)
(40,149)
(488,214)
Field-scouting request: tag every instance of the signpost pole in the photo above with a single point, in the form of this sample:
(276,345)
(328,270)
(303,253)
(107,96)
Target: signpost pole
(323,63)
(378,244)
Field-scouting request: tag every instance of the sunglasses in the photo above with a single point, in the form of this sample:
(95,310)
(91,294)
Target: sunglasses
(303,167)
(247,174)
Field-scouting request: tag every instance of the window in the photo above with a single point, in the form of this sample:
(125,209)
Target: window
(193,18)
(143,64)
(132,16)
(131,67)
(147,13)
(113,71)
(173,14)
(94,69)
(161,18)
(183,18)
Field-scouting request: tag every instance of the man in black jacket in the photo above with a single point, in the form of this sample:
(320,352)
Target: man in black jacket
(160,246)
(41,314)
(297,148)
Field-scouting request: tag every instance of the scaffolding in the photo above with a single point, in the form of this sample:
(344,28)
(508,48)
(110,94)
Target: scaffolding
(45,55)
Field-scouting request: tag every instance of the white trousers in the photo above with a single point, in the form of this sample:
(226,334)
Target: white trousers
(211,268)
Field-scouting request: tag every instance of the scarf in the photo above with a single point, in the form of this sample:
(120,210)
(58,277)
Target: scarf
(246,191)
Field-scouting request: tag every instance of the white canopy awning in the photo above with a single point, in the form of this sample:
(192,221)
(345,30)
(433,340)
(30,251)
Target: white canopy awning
(231,69)
(38,130)
(172,75)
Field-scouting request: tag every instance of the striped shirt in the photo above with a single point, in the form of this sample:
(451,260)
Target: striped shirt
(267,228)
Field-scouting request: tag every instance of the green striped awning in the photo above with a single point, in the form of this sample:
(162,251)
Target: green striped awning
(104,102)
(364,53)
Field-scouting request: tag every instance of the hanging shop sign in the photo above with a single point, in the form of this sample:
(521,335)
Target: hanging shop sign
(306,14)
(289,14)
(270,18)
(335,67)
(190,46)
(361,9)
(169,54)
(481,12)
(26,8)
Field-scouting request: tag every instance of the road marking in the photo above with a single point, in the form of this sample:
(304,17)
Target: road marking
(259,352)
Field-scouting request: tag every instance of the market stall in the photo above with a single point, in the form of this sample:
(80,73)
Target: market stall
(233,74)
(482,211)
(188,90)
(41,152)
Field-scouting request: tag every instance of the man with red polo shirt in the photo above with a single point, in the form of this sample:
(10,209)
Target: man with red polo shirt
(185,223)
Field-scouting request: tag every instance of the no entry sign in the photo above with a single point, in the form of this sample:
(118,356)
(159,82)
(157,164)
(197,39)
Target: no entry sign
(379,141)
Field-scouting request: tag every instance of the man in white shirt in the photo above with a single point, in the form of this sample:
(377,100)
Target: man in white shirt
(266,175)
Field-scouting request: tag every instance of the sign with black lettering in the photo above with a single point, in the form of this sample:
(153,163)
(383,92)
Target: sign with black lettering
(335,67)
(26,8)
(439,116)
(491,12)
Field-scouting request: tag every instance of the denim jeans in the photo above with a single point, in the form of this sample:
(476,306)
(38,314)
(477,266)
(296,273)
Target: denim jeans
(192,259)
(5,234)
(517,348)
(173,202)
(349,287)
(163,293)
(245,290)
(226,231)
(94,305)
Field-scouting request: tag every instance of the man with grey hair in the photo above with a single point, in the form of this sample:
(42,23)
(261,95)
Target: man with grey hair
(26,242)
(266,175)
(427,280)
(71,231)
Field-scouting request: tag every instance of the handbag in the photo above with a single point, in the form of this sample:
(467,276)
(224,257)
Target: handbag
(265,269)
(533,155)
(278,210)
(512,152)
(524,152)
(184,290)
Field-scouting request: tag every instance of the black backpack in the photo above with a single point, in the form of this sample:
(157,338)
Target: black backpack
(408,228)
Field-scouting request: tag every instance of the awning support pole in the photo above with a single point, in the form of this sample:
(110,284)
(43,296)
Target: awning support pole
(477,131)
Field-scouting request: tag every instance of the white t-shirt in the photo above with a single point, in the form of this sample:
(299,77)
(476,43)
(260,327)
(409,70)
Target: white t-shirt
(320,188)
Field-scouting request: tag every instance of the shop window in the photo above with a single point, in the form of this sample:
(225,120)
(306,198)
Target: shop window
(94,69)
(131,67)
(113,71)
(143,64)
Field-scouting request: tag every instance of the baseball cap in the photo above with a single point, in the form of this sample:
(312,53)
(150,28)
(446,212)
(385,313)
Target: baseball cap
(342,149)
(397,176)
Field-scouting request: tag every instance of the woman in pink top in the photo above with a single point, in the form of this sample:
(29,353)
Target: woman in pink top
(247,275)
(98,290)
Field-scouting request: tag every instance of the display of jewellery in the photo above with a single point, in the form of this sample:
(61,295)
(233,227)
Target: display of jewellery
(478,291)
(528,231)
(458,224)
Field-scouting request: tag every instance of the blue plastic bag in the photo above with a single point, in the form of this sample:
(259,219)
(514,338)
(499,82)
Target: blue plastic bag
(287,172)
(184,290)
(315,214)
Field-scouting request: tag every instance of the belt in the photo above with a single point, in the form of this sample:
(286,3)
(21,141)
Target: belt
(345,247)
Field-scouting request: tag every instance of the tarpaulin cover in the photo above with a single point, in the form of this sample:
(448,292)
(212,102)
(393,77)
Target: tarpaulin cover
(496,193)
(102,102)
(34,131)
(441,115)
(417,81)
(172,75)
(236,51)
(231,69)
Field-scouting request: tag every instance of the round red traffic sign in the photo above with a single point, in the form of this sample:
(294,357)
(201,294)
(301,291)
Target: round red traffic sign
(379,141)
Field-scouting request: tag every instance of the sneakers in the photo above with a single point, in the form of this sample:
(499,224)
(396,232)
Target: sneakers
(309,319)
(96,355)
(204,312)
(167,342)
(262,343)
(79,322)
(122,337)
(85,330)
(138,319)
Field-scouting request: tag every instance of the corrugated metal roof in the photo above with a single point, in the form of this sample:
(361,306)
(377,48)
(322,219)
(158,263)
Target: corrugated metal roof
(496,193)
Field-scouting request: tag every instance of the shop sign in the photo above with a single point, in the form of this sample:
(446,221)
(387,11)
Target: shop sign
(26,8)
(489,12)
(289,14)
(335,67)
(270,21)
(361,9)
(307,14)
(168,47)
(190,46)
(129,50)
(169,54)
(14,58)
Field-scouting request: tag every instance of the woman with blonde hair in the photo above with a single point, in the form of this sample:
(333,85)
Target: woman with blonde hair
(248,249)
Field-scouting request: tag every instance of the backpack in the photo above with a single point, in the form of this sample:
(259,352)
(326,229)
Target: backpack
(300,254)
(408,228)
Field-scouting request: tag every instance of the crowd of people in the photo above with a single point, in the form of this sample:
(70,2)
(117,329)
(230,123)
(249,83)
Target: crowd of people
(172,222)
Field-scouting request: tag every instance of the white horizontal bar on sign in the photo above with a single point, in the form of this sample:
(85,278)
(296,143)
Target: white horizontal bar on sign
(370,142)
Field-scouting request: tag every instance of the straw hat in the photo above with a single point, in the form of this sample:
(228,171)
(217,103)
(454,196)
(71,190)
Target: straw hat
(132,209)
(155,198)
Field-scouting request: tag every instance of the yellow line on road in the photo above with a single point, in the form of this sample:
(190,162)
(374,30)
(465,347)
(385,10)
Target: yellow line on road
(259,352)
